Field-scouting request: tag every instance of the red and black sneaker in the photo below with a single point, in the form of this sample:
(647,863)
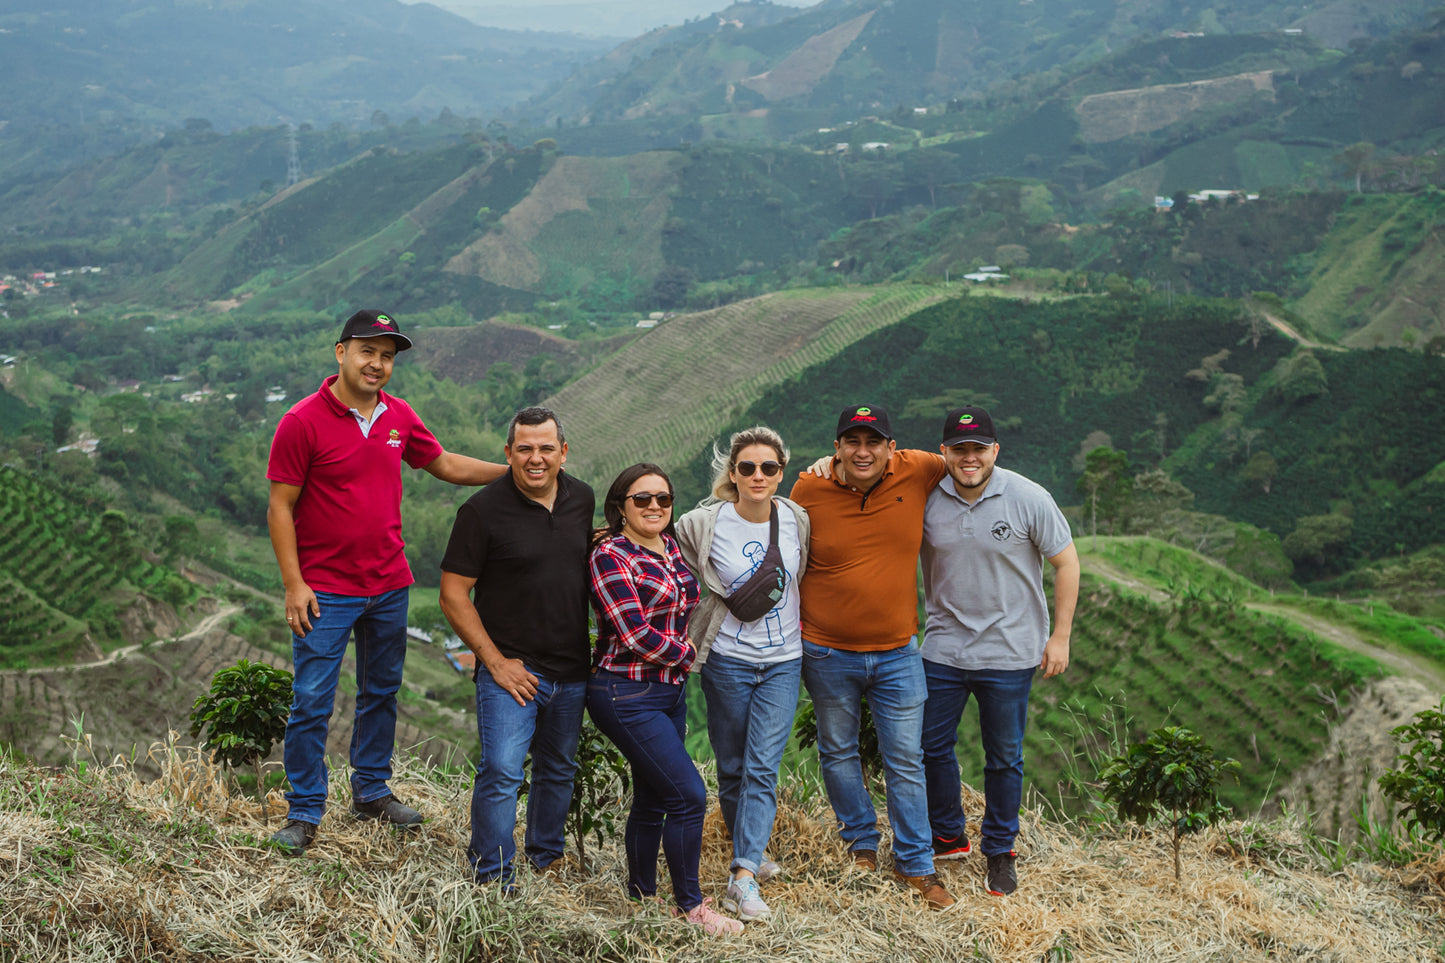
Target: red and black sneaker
(1003,879)
(955,848)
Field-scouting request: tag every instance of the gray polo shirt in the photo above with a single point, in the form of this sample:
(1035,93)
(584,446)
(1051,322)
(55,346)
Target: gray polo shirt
(983,581)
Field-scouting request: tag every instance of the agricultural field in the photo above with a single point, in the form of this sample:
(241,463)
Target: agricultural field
(76,582)
(683,382)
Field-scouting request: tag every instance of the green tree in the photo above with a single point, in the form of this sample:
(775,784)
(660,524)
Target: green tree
(243,717)
(1315,535)
(1156,499)
(1173,774)
(1107,485)
(1261,469)
(1418,784)
(1300,376)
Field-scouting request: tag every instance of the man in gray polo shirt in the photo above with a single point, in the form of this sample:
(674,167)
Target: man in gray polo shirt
(986,533)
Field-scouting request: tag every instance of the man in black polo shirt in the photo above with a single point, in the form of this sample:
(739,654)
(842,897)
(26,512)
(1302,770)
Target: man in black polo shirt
(521,544)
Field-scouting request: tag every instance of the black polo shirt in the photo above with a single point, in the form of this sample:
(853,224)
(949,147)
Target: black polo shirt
(531,570)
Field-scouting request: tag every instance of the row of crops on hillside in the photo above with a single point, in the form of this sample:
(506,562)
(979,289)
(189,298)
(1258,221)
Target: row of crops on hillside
(66,570)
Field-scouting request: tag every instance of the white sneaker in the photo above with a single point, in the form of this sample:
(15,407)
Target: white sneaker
(744,899)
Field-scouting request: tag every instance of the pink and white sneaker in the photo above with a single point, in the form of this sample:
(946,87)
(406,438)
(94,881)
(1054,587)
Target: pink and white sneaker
(712,922)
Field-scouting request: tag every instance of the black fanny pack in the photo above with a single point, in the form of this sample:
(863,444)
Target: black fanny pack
(760,593)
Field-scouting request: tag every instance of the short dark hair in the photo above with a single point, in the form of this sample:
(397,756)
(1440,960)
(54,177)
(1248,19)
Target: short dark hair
(535,415)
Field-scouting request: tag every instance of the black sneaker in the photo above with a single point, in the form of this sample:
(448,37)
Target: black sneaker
(1003,879)
(293,838)
(956,848)
(388,810)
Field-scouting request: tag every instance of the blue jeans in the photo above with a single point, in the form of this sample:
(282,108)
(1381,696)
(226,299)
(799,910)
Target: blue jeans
(379,624)
(1003,704)
(549,725)
(648,721)
(749,717)
(892,682)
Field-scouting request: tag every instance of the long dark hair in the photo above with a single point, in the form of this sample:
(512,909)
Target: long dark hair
(612,506)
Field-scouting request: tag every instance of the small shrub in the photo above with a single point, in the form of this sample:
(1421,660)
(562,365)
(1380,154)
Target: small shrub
(1419,782)
(244,716)
(1173,773)
(603,778)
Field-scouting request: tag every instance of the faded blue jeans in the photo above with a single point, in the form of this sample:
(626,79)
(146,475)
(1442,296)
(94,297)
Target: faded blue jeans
(379,624)
(838,680)
(750,709)
(549,725)
(1003,704)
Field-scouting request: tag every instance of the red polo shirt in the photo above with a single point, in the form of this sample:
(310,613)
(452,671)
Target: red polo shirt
(348,518)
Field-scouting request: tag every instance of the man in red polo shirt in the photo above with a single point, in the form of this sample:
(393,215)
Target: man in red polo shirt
(335,521)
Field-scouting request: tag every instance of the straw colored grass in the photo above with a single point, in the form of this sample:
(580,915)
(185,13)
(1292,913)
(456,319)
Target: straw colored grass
(98,865)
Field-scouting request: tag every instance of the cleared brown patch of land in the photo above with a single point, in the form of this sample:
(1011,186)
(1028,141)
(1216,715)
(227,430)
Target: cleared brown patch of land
(801,70)
(1119,113)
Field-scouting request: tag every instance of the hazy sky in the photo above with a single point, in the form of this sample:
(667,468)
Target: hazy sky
(615,18)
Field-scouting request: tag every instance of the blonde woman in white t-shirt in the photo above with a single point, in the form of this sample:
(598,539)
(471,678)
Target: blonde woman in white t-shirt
(750,669)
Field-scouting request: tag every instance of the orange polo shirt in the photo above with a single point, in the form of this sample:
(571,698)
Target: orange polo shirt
(861,590)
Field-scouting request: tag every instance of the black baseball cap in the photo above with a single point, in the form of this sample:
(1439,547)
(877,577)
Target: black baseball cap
(968,424)
(865,416)
(371,324)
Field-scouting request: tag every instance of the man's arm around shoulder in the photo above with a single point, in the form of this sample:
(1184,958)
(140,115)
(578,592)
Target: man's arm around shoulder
(464,470)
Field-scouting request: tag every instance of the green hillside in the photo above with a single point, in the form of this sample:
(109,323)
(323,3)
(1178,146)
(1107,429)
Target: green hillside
(697,373)
(74,580)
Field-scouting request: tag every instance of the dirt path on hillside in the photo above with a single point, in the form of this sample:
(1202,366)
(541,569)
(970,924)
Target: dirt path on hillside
(1404,663)
(1095,565)
(1288,330)
(204,627)
(1407,665)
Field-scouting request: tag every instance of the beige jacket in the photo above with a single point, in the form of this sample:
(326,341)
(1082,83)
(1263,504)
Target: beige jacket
(694,536)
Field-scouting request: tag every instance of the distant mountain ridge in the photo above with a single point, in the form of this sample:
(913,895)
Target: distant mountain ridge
(254,62)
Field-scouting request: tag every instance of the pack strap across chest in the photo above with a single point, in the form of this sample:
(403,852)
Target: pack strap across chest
(760,593)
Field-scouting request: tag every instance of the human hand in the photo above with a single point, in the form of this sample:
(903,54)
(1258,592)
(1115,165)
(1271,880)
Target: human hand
(301,607)
(513,676)
(1056,655)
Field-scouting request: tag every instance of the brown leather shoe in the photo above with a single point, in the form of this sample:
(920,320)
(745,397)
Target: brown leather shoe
(929,888)
(864,859)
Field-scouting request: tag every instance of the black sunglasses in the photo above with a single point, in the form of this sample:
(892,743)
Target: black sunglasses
(746,468)
(643,499)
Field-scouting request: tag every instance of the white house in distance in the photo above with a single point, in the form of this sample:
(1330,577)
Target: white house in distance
(990,272)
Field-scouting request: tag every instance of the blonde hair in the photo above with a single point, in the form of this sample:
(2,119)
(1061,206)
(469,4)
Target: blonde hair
(723,488)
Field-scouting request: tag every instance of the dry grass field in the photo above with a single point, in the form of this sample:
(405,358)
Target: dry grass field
(99,865)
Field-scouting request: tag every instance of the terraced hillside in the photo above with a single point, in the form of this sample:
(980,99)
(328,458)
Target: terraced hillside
(1303,691)
(74,581)
(666,396)
(136,699)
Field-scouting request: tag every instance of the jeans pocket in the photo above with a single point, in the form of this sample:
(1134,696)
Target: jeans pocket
(622,692)
(814,652)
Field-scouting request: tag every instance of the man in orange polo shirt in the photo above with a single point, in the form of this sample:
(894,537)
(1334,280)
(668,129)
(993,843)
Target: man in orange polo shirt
(860,622)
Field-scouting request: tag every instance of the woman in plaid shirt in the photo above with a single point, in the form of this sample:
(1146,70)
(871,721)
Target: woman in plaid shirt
(644,594)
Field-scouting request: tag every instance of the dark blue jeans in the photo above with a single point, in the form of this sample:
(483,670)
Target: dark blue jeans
(648,721)
(379,625)
(548,726)
(1003,702)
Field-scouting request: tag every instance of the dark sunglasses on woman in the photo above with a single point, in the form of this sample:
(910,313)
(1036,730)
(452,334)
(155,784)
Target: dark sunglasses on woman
(769,467)
(643,499)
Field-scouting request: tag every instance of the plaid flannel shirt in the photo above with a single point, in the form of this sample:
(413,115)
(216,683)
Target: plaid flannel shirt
(643,602)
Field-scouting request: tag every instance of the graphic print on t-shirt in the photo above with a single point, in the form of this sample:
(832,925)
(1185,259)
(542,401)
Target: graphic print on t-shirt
(755,551)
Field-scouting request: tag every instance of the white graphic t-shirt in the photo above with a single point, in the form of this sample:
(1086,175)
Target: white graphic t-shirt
(738,547)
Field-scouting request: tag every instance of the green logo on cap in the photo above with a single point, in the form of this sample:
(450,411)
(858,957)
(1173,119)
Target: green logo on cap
(965,420)
(865,411)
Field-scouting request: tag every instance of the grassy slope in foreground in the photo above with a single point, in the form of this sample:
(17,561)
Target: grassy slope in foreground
(102,866)
(666,396)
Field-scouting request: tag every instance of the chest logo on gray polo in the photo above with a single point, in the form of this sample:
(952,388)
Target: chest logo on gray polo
(1001,530)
